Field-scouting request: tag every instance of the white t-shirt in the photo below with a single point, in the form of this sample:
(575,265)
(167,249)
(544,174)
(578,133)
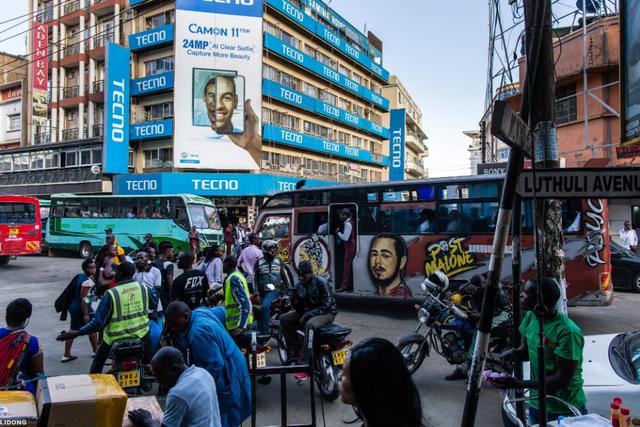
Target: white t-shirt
(152,279)
(629,238)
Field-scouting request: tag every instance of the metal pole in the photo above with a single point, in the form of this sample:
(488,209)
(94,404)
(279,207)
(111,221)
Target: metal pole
(483,141)
(254,362)
(312,377)
(516,271)
(585,77)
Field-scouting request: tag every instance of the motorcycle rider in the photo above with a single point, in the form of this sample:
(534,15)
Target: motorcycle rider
(314,306)
(268,270)
(122,315)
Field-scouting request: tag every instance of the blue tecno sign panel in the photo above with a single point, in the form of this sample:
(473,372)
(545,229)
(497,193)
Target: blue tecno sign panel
(306,102)
(151,38)
(297,139)
(310,24)
(208,184)
(115,150)
(152,84)
(277,46)
(396,144)
(152,130)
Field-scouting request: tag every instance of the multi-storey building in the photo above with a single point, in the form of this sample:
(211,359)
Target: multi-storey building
(13,117)
(342,127)
(415,149)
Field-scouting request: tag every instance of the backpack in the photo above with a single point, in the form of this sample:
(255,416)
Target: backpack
(12,350)
(65,298)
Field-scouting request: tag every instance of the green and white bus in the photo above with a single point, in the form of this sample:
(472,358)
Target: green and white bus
(78,223)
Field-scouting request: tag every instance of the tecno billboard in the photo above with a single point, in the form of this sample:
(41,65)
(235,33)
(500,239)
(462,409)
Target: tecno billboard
(630,52)
(39,73)
(115,150)
(396,144)
(218,78)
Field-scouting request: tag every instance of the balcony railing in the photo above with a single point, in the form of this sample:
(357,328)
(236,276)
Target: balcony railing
(73,49)
(73,134)
(97,86)
(71,7)
(97,130)
(103,39)
(42,138)
(70,92)
(45,16)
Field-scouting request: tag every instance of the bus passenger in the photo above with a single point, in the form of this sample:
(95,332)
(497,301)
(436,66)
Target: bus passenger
(346,235)
(426,217)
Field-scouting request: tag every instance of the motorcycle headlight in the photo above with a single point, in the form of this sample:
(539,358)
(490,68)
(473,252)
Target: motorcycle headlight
(423,315)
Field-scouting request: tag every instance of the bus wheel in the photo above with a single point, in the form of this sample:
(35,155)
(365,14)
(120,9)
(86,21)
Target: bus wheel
(85,250)
(4,260)
(635,285)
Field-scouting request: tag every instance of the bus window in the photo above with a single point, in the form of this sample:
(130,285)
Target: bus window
(425,193)
(72,208)
(17,213)
(279,201)
(447,219)
(409,219)
(275,227)
(310,222)
(468,191)
(312,198)
(368,219)
(478,217)
(396,196)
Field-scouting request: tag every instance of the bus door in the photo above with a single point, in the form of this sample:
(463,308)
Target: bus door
(343,239)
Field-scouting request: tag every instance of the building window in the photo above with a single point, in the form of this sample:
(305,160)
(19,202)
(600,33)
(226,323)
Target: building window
(158,158)
(158,111)
(282,35)
(161,19)
(401,98)
(356,78)
(327,97)
(280,119)
(308,89)
(566,110)
(70,158)
(343,137)
(503,155)
(156,66)
(344,70)
(318,130)
(14,122)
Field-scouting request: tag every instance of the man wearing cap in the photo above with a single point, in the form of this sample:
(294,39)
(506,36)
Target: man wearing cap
(149,243)
(122,315)
(315,307)
(347,237)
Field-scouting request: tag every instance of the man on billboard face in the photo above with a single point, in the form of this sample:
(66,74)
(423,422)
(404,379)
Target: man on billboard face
(387,261)
(221,100)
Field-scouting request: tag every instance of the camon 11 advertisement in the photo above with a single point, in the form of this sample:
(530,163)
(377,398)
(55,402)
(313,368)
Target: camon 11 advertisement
(218,78)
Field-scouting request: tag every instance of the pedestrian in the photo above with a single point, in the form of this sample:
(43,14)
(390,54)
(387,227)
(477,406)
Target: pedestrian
(228,238)
(192,286)
(248,257)
(147,274)
(110,240)
(165,261)
(376,382)
(107,272)
(239,238)
(194,240)
(80,308)
(346,236)
(149,243)
(211,266)
(629,237)
(237,299)
(563,345)
(122,314)
(192,399)
(209,346)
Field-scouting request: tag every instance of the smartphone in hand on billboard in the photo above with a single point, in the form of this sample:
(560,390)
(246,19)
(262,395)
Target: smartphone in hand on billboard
(218,101)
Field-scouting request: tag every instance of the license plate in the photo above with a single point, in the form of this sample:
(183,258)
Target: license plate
(129,379)
(339,357)
(13,232)
(261,360)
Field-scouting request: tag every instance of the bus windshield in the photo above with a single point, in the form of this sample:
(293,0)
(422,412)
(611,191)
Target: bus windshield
(17,213)
(203,216)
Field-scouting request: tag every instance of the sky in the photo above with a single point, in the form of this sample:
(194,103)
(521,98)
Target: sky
(438,50)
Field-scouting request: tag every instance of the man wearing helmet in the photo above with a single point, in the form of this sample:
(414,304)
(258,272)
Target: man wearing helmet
(268,270)
(387,261)
(315,306)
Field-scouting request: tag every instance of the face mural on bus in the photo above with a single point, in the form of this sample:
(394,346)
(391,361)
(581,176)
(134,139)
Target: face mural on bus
(387,263)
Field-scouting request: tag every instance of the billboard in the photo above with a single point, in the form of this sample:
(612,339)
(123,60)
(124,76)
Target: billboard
(630,70)
(39,73)
(396,144)
(218,84)
(115,151)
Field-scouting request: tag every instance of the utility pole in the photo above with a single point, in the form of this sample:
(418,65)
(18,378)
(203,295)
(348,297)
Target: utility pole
(483,140)
(537,112)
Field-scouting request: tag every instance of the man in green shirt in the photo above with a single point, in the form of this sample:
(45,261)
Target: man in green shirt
(563,344)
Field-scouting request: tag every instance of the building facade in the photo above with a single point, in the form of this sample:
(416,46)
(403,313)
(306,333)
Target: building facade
(13,117)
(322,83)
(415,149)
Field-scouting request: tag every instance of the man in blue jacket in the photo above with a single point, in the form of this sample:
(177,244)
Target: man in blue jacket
(204,339)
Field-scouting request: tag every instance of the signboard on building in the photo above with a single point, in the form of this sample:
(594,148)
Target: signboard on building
(12,92)
(630,63)
(218,84)
(39,72)
(492,168)
(628,151)
(580,183)
(397,128)
(115,150)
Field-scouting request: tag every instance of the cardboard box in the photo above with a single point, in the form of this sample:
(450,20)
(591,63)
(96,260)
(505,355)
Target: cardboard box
(150,403)
(18,408)
(80,400)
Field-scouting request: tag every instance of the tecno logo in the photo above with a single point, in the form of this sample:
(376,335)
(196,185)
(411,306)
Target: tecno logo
(215,184)
(236,2)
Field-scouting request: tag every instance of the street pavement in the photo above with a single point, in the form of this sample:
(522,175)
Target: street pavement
(41,279)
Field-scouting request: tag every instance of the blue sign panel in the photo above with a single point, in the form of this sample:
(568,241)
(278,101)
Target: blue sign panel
(396,144)
(313,143)
(290,96)
(151,38)
(226,7)
(277,46)
(208,184)
(152,130)
(115,151)
(152,84)
(310,24)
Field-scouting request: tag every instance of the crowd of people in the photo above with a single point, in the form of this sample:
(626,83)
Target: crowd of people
(203,313)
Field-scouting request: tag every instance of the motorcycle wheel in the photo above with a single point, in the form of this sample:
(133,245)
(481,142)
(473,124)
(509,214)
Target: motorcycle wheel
(282,349)
(328,378)
(413,354)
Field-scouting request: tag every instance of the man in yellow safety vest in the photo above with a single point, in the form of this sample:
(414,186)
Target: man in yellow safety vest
(237,299)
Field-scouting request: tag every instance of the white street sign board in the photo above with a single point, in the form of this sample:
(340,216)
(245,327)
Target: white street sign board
(580,183)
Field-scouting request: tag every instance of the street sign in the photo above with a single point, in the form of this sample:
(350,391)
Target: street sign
(507,126)
(580,183)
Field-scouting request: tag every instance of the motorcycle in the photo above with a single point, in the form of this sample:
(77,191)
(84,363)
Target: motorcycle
(279,306)
(262,347)
(449,332)
(127,367)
